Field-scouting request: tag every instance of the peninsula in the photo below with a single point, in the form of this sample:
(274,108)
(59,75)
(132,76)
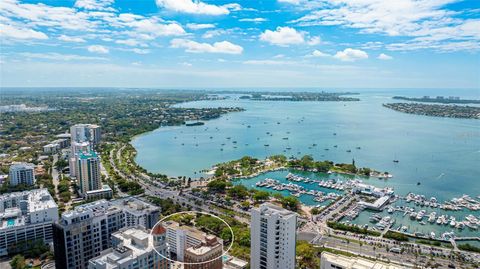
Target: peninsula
(249,167)
(448,111)
(299,96)
(438,99)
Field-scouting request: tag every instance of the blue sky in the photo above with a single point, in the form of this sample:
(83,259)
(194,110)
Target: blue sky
(232,43)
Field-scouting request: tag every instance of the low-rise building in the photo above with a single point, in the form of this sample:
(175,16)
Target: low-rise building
(234,263)
(26,217)
(105,192)
(51,148)
(371,190)
(134,248)
(334,261)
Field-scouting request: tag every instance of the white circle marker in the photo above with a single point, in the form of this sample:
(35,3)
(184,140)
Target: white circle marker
(194,212)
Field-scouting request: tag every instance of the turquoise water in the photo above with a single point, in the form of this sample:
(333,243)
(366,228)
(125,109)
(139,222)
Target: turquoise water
(442,154)
(11,222)
(280,176)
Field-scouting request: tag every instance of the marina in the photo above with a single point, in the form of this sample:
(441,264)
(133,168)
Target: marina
(412,214)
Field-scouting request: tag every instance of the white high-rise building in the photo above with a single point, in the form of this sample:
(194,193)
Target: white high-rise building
(88,172)
(22,173)
(85,133)
(134,248)
(83,139)
(273,236)
(179,238)
(26,217)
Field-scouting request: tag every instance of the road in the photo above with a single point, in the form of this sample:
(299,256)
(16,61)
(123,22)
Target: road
(55,174)
(158,189)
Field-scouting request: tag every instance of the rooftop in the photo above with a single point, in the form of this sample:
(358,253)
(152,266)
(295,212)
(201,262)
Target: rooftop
(91,154)
(132,243)
(22,166)
(34,200)
(192,231)
(271,209)
(356,262)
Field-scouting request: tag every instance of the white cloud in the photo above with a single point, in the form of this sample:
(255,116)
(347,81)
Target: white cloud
(293,2)
(351,55)
(194,7)
(35,15)
(214,33)
(140,51)
(196,26)
(95,4)
(130,42)
(317,53)
(71,39)
(384,56)
(98,49)
(285,36)
(282,36)
(60,57)
(196,47)
(256,20)
(314,41)
(187,64)
(428,22)
(233,7)
(153,28)
(14,32)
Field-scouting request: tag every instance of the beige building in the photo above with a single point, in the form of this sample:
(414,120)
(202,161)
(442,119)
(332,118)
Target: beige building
(180,238)
(207,255)
(333,261)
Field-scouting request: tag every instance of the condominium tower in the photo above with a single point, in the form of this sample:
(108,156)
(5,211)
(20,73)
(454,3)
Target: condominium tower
(272,237)
(22,173)
(84,233)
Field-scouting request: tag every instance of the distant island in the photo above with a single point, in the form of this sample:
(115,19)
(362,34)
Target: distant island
(299,96)
(439,99)
(198,123)
(449,111)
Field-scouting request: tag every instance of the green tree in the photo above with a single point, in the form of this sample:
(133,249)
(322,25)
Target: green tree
(18,262)
(238,192)
(307,254)
(217,185)
(290,202)
(261,196)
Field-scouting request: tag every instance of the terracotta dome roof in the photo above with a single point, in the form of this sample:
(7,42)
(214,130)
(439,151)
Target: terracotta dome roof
(158,229)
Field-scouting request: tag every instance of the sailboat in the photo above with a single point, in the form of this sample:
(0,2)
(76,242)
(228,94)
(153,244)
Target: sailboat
(395,160)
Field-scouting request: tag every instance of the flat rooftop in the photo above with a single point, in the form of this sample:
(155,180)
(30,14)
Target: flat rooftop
(356,262)
(272,209)
(36,200)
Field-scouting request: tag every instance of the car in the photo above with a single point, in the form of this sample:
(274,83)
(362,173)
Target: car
(395,250)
